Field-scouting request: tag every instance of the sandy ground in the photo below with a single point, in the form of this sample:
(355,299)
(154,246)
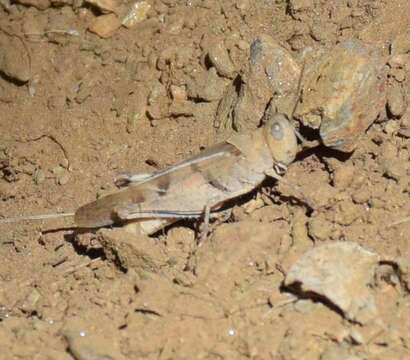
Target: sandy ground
(76,110)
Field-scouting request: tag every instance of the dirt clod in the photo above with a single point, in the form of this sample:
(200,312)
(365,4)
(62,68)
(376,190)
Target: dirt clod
(395,100)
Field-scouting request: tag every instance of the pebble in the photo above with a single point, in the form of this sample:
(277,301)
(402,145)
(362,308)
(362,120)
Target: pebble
(106,6)
(243,5)
(136,14)
(178,93)
(396,102)
(133,122)
(29,305)
(219,57)
(64,163)
(39,176)
(405,125)
(391,127)
(63,179)
(362,195)
(14,60)
(105,25)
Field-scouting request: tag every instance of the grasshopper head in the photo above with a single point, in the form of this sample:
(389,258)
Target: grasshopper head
(280,137)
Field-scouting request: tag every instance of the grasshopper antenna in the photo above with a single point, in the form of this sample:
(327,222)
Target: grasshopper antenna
(305,143)
(34,217)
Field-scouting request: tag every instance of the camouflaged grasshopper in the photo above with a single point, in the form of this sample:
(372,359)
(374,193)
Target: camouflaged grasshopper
(196,187)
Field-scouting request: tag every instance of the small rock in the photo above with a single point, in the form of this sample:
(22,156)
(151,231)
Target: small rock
(405,132)
(39,176)
(362,195)
(133,122)
(396,102)
(341,273)
(178,93)
(105,25)
(136,110)
(391,127)
(63,179)
(64,163)
(243,5)
(30,302)
(14,60)
(136,14)
(390,162)
(343,176)
(405,125)
(157,101)
(106,6)
(57,170)
(219,57)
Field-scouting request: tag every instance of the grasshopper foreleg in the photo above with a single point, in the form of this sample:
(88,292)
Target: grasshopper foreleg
(205,225)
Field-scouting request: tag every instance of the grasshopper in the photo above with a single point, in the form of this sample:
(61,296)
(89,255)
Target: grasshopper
(196,187)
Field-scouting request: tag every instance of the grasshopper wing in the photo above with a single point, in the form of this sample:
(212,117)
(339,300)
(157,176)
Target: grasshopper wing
(184,188)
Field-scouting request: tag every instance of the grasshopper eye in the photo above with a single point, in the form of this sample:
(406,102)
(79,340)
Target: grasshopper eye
(277,131)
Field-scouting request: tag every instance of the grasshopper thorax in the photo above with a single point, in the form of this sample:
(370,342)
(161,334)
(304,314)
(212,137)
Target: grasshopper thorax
(280,137)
